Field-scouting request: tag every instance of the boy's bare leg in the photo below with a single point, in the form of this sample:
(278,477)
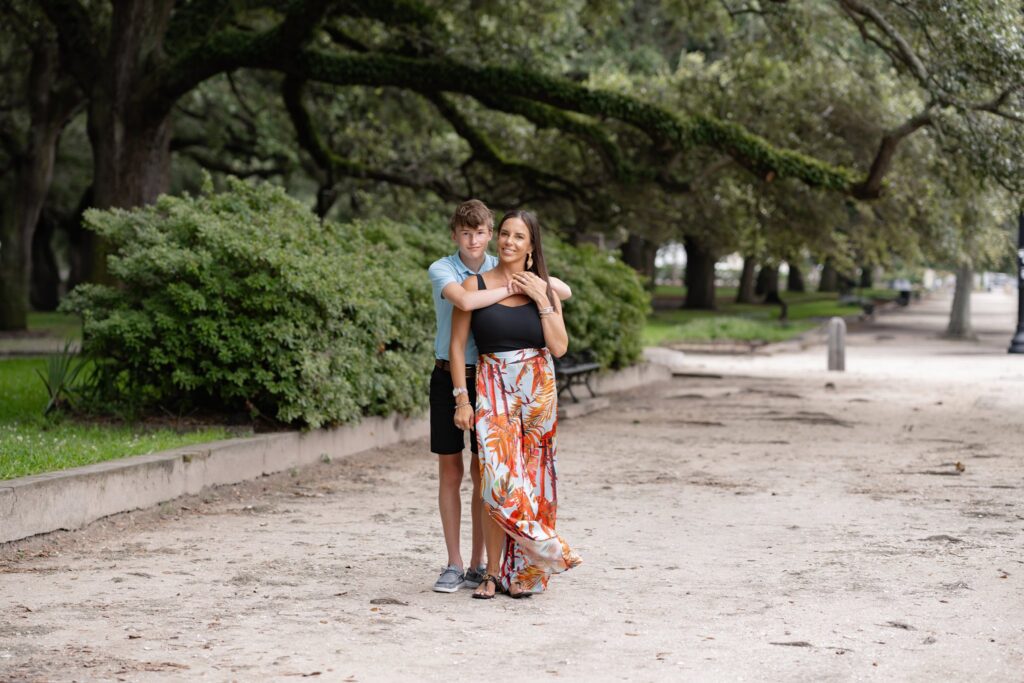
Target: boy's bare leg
(449,480)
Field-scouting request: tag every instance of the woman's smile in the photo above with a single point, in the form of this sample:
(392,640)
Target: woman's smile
(513,240)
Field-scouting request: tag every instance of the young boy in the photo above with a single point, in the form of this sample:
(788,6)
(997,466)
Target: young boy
(472,226)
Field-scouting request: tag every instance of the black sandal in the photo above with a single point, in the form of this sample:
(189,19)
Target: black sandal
(482,596)
(520,595)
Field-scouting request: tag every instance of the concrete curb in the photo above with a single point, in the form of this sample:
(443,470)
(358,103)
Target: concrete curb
(72,498)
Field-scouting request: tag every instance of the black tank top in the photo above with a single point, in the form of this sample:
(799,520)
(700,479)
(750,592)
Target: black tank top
(506,328)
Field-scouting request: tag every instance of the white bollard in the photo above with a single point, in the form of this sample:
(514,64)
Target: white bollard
(837,344)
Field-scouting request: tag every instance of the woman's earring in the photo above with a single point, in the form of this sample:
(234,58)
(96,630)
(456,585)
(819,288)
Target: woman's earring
(529,260)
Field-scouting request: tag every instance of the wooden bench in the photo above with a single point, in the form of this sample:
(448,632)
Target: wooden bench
(866,305)
(576,369)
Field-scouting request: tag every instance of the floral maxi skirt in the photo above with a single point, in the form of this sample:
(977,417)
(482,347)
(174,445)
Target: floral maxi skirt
(516,421)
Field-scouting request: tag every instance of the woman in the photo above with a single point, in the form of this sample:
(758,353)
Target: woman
(516,412)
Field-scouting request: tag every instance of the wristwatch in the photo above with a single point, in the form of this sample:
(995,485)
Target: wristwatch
(459,390)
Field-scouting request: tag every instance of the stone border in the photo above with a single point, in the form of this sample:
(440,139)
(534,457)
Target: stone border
(72,498)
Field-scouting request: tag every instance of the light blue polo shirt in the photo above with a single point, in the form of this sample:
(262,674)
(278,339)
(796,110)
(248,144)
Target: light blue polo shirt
(442,272)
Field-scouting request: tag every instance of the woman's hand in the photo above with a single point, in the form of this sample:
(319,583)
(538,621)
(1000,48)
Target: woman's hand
(464,416)
(532,286)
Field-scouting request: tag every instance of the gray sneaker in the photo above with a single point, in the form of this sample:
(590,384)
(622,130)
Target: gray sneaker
(451,580)
(475,576)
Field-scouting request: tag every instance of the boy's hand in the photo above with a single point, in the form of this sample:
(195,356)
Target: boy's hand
(464,416)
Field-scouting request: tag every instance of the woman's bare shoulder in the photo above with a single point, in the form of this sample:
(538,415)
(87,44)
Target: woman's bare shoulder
(492,279)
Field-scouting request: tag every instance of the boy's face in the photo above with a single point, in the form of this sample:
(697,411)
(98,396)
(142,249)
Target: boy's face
(472,241)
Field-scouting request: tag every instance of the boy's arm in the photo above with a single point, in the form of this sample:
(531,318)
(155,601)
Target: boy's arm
(457,362)
(467,300)
(560,289)
(445,282)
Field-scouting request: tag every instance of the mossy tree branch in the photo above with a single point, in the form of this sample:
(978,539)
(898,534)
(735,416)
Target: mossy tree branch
(192,22)
(540,97)
(487,152)
(664,128)
(230,49)
(390,12)
(331,166)
(544,116)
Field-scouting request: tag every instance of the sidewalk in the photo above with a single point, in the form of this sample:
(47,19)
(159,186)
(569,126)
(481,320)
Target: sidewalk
(779,523)
(907,343)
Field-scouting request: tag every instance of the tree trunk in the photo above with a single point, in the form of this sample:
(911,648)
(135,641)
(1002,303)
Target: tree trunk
(767,283)
(846,285)
(700,275)
(745,293)
(131,167)
(640,253)
(829,277)
(131,142)
(867,276)
(795,279)
(80,242)
(960,314)
(50,109)
(326,196)
(13,262)
(44,292)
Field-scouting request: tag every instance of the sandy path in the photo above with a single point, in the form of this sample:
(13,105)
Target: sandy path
(748,527)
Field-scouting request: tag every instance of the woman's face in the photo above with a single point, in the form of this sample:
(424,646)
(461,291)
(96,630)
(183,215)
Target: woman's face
(514,241)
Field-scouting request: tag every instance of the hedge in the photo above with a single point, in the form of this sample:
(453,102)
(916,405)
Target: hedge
(244,301)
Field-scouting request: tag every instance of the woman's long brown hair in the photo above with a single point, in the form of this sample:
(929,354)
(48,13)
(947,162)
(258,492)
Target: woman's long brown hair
(539,267)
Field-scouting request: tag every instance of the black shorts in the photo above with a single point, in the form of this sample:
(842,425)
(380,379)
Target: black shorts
(445,437)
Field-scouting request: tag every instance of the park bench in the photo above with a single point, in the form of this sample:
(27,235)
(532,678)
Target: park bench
(866,305)
(576,369)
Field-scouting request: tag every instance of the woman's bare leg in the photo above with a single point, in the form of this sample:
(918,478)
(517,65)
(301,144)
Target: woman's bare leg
(477,512)
(494,539)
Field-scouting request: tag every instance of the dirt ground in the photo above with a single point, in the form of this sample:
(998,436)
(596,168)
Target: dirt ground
(775,523)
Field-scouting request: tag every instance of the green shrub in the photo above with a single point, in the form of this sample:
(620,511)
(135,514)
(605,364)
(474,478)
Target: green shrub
(609,306)
(244,301)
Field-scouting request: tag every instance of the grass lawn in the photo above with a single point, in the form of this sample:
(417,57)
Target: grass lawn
(721,328)
(47,333)
(30,443)
(62,325)
(747,322)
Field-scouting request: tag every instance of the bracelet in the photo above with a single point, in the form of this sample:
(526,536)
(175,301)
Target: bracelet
(460,405)
(546,311)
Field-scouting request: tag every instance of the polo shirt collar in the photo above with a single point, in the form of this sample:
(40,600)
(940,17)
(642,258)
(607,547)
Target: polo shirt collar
(463,268)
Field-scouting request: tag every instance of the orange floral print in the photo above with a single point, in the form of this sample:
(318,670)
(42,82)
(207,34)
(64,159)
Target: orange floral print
(516,424)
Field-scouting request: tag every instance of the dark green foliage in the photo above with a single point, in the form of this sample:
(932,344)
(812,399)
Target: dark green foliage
(609,306)
(663,127)
(63,386)
(244,301)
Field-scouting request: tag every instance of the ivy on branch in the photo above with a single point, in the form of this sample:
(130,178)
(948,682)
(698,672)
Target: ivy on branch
(665,129)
